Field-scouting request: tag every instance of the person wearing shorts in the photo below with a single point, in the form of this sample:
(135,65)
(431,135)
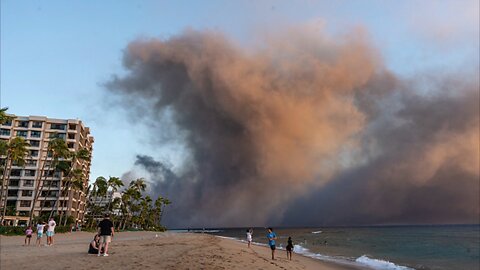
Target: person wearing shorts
(28,235)
(105,230)
(289,248)
(51,231)
(271,236)
(40,227)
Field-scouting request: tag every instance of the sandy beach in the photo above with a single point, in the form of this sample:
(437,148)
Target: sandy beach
(148,250)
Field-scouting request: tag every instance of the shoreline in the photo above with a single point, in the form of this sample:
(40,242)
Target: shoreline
(159,250)
(326,259)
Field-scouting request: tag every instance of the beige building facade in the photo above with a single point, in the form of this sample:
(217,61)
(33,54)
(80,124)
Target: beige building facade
(38,131)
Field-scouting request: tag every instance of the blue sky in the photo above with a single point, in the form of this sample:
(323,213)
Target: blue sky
(56,54)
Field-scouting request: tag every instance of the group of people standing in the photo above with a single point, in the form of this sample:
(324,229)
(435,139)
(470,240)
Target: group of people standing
(99,244)
(101,240)
(272,236)
(41,227)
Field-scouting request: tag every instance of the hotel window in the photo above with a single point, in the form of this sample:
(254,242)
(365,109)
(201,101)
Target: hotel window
(31,163)
(57,135)
(21,133)
(23,124)
(34,143)
(8,123)
(12,203)
(13,183)
(58,126)
(29,173)
(51,193)
(28,183)
(71,145)
(35,134)
(15,172)
(37,124)
(49,203)
(5,132)
(27,193)
(12,192)
(71,136)
(34,153)
(25,203)
(72,126)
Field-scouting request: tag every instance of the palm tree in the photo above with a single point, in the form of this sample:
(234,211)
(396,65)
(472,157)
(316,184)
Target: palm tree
(72,181)
(76,184)
(129,197)
(157,210)
(59,149)
(165,202)
(16,154)
(139,184)
(100,187)
(145,211)
(72,175)
(3,116)
(3,144)
(114,183)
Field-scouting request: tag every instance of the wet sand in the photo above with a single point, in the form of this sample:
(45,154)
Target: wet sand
(150,250)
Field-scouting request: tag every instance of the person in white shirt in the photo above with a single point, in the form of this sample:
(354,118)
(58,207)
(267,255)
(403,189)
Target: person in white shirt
(249,236)
(40,227)
(51,231)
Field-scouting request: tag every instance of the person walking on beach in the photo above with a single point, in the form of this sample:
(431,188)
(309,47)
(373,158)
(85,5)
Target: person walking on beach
(106,231)
(28,235)
(289,248)
(51,231)
(249,236)
(271,236)
(40,227)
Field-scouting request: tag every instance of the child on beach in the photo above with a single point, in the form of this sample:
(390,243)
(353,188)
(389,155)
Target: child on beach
(28,235)
(249,236)
(271,236)
(289,248)
(40,228)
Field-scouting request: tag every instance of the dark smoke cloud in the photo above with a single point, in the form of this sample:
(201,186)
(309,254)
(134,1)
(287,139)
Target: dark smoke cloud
(308,130)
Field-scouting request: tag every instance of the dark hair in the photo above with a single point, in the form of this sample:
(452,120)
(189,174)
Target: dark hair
(289,238)
(270,228)
(248,230)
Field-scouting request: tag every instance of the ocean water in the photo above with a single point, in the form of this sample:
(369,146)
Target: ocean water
(381,247)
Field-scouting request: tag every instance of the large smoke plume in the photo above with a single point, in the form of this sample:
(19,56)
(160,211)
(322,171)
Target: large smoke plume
(305,130)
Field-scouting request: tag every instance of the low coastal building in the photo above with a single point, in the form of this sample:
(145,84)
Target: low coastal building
(106,202)
(22,183)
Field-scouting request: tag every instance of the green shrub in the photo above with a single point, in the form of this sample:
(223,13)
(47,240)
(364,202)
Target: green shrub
(11,230)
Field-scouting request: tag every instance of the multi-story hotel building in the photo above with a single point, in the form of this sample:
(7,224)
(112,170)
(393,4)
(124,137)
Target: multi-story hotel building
(37,131)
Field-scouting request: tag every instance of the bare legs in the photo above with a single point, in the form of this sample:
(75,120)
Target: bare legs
(289,255)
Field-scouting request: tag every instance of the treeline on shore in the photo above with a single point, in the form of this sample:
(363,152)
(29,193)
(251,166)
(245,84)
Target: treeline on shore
(131,210)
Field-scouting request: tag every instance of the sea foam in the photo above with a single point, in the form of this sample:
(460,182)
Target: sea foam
(380,264)
(363,260)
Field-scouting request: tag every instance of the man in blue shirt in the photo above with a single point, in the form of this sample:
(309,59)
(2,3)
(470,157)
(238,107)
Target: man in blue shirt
(271,236)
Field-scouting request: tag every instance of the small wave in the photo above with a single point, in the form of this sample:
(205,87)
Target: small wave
(380,264)
(361,261)
(205,231)
(317,232)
